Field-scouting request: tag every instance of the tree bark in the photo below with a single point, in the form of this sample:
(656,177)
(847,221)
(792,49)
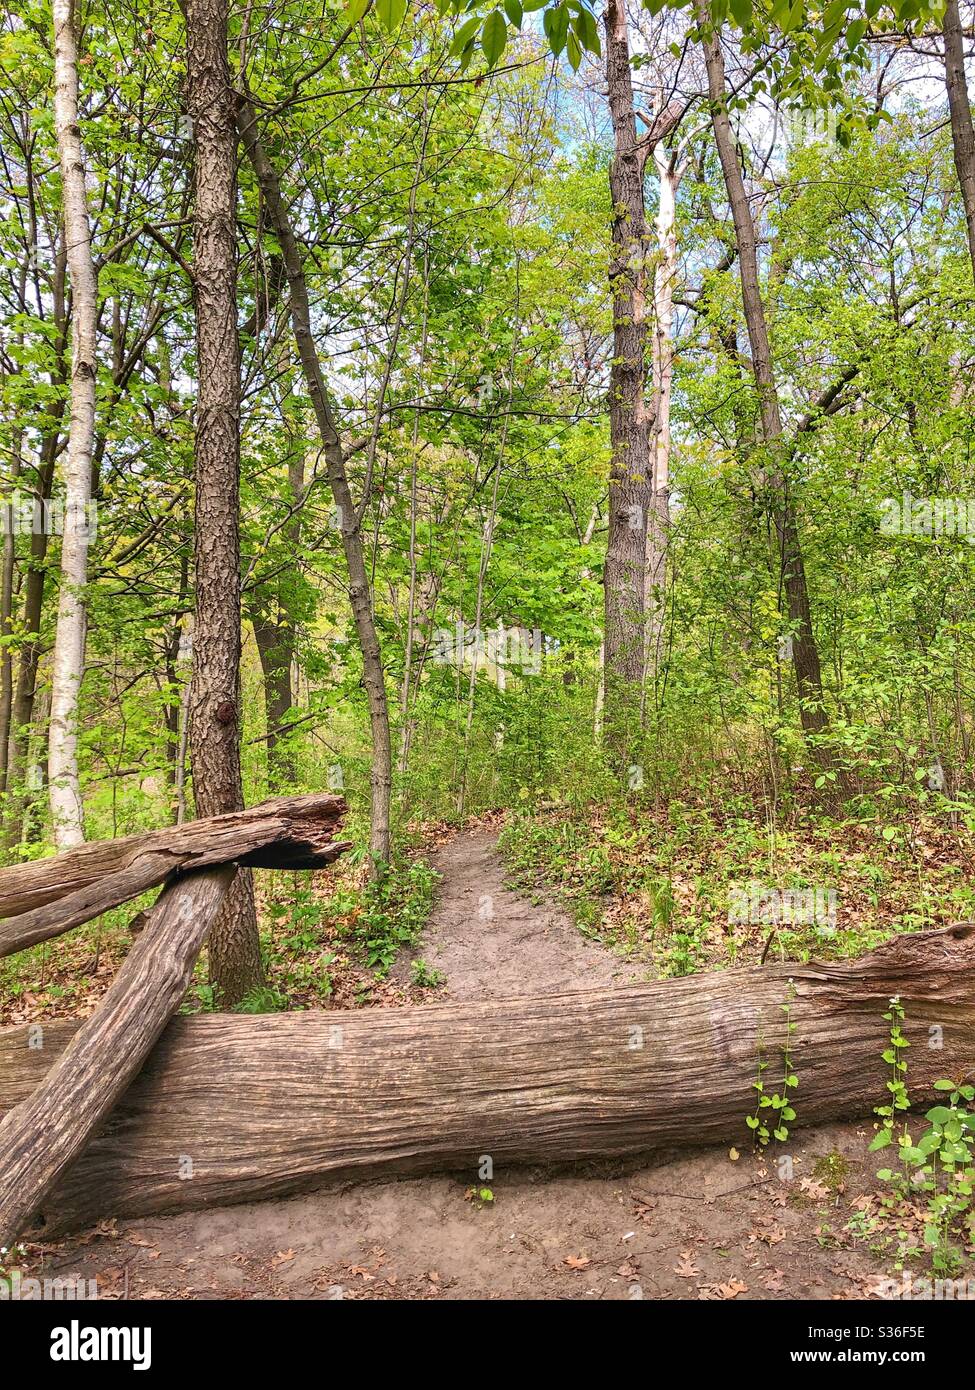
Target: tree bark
(25,685)
(68,661)
(215,717)
(360,589)
(805,653)
(275,638)
(959,107)
(41,1137)
(44,898)
(631,466)
(664,280)
(266,1106)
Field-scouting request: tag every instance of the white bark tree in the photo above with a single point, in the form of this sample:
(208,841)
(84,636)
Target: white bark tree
(69,643)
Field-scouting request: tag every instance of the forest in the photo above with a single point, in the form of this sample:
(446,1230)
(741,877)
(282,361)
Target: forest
(487,664)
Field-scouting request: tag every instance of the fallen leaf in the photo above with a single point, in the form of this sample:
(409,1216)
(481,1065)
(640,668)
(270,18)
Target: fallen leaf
(577,1261)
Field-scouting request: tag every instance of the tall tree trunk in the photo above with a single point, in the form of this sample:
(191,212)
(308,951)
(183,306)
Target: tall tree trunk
(664,280)
(274,633)
(360,589)
(631,466)
(7,567)
(25,684)
(234,945)
(805,653)
(68,662)
(962,134)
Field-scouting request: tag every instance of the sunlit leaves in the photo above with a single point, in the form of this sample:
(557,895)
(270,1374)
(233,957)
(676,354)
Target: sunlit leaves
(390,13)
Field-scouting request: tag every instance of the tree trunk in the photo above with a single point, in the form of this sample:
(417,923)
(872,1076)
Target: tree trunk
(275,638)
(41,1137)
(288,833)
(360,589)
(962,134)
(25,684)
(631,466)
(68,662)
(215,717)
(805,653)
(266,1106)
(664,280)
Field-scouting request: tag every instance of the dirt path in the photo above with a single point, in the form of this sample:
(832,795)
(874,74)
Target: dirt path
(709,1225)
(491,943)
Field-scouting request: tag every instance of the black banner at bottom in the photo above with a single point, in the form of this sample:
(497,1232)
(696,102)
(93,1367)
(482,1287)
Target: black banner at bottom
(66,1339)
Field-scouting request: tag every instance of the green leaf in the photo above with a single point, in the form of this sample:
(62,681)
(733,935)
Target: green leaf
(464,34)
(588,33)
(494,39)
(514,11)
(355,10)
(573,50)
(556,24)
(390,13)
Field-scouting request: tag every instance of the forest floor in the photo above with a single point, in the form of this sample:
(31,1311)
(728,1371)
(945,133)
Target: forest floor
(712,1224)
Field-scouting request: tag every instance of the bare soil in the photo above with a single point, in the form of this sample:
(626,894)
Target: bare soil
(710,1224)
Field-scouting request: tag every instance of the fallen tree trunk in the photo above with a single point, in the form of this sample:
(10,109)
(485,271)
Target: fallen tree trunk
(41,1136)
(53,895)
(230,1108)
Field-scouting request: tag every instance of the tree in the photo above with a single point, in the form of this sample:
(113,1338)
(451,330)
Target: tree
(215,714)
(805,652)
(67,667)
(960,112)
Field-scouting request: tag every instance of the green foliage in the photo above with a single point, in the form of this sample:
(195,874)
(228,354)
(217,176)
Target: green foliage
(940,1163)
(775,1125)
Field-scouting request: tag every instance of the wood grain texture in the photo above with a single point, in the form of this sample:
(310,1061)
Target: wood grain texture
(262,1106)
(40,1137)
(285,833)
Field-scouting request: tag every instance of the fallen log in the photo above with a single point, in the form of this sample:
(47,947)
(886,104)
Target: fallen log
(41,1136)
(231,1108)
(50,896)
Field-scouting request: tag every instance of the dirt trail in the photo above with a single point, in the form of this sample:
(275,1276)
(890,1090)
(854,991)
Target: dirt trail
(491,943)
(705,1226)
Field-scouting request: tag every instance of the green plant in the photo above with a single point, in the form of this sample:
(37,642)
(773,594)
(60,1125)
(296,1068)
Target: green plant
(264,1000)
(897,1085)
(942,1161)
(392,913)
(783,1113)
(942,1165)
(426,976)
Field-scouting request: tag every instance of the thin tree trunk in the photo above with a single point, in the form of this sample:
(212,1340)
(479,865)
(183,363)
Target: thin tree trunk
(360,589)
(631,467)
(805,653)
(68,662)
(962,134)
(215,716)
(25,685)
(275,638)
(665,277)
(7,567)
